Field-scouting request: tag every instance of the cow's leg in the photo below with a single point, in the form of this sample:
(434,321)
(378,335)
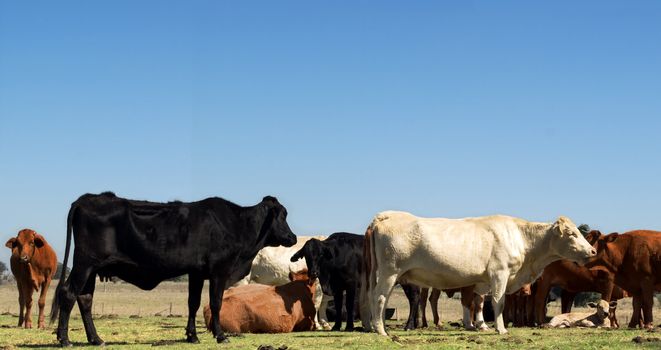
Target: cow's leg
(85,300)
(467,306)
(350,303)
(318,299)
(498,287)
(567,301)
(478,306)
(67,295)
(379,299)
(541,294)
(323,318)
(433,301)
(612,316)
(28,291)
(636,319)
(216,290)
(21,302)
(195,284)
(42,301)
(648,303)
(424,293)
(413,294)
(338,299)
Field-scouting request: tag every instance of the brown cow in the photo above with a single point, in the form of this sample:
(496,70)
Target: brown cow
(469,300)
(631,260)
(258,308)
(573,279)
(636,317)
(519,307)
(33,263)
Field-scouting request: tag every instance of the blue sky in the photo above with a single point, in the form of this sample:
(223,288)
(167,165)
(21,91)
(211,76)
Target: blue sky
(340,109)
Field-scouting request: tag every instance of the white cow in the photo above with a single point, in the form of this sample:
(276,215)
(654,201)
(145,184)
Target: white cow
(272,266)
(495,253)
(585,319)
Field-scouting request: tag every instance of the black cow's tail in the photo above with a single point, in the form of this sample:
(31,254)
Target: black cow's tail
(55,307)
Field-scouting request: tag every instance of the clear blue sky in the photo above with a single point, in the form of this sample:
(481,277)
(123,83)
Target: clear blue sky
(340,109)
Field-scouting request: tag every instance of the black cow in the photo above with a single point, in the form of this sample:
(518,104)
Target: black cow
(144,243)
(337,262)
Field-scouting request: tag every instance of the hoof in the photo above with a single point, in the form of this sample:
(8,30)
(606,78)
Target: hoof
(192,339)
(221,339)
(502,331)
(97,342)
(349,329)
(336,328)
(65,344)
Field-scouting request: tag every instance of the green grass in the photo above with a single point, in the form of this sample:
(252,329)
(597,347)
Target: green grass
(147,332)
(124,332)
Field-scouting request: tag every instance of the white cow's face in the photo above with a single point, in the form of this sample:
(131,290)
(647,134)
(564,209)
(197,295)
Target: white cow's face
(569,243)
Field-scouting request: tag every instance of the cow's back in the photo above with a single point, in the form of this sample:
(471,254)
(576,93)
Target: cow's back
(256,308)
(272,265)
(458,249)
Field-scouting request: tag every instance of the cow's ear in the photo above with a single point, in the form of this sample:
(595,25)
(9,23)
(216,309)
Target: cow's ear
(11,243)
(593,236)
(593,305)
(38,241)
(297,256)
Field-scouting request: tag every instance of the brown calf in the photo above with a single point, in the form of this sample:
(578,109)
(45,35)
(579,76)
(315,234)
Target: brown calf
(33,263)
(519,307)
(631,260)
(258,308)
(469,300)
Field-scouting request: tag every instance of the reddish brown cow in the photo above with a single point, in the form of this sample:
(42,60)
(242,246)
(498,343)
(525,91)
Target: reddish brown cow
(632,261)
(573,279)
(258,308)
(33,263)
(469,300)
(519,307)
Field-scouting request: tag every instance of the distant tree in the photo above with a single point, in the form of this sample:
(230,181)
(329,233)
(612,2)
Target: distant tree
(3,268)
(58,273)
(582,299)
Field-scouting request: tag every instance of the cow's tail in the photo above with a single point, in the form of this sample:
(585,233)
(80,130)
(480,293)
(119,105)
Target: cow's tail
(55,307)
(369,268)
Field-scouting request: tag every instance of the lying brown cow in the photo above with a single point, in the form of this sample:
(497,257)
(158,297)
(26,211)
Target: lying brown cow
(632,261)
(33,263)
(258,308)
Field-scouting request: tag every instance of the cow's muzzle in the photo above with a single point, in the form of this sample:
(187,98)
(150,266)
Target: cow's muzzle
(25,259)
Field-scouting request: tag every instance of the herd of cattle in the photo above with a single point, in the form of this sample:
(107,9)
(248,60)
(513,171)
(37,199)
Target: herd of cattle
(267,280)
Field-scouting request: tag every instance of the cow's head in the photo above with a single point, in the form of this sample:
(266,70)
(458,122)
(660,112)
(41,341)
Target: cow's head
(593,236)
(607,256)
(275,226)
(25,244)
(603,308)
(569,243)
(314,253)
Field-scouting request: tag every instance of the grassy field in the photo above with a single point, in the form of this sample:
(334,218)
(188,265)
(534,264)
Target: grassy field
(126,318)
